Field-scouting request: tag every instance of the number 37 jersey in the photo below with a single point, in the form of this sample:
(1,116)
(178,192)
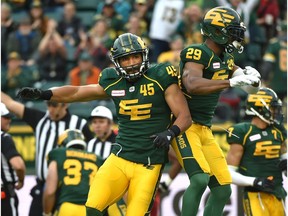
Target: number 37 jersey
(202,107)
(76,170)
(141,110)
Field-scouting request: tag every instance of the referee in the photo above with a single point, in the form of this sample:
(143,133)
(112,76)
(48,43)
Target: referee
(12,168)
(47,126)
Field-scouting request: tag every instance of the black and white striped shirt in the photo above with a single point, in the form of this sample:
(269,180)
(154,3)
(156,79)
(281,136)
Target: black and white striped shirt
(47,132)
(101,148)
(8,151)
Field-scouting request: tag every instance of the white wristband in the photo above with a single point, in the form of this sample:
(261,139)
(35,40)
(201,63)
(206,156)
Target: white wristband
(240,179)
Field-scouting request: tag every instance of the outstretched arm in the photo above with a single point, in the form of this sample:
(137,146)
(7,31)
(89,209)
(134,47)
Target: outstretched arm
(12,105)
(68,93)
(65,94)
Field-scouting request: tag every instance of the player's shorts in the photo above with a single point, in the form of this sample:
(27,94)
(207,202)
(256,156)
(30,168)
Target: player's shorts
(118,175)
(198,152)
(264,204)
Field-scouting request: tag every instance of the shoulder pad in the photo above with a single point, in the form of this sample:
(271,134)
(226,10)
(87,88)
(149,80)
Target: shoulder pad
(198,53)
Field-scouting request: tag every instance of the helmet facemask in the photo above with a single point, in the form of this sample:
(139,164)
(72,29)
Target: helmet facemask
(236,38)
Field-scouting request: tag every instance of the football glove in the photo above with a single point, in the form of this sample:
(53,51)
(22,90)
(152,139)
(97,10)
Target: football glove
(243,80)
(34,94)
(163,139)
(264,183)
(251,71)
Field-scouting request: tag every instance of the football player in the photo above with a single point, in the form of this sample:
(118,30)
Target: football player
(205,70)
(70,172)
(257,155)
(144,98)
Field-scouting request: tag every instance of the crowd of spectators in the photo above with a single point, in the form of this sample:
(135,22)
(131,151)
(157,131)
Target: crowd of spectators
(56,42)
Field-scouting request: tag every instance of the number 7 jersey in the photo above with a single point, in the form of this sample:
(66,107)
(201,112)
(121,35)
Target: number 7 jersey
(141,110)
(202,107)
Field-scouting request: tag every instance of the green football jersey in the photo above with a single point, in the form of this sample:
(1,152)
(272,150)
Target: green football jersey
(261,153)
(76,170)
(141,110)
(202,107)
(277,53)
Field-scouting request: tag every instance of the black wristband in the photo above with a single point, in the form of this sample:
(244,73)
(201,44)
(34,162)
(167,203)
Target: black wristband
(46,94)
(175,129)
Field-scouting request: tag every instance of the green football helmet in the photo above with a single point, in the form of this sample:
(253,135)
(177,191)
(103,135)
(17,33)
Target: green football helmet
(223,25)
(127,44)
(266,105)
(72,139)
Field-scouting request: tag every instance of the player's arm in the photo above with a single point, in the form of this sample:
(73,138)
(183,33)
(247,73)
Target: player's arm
(179,107)
(195,83)
(65,94)
(234,156)
(12,105)
(49,194)
(19,166)
(233,160)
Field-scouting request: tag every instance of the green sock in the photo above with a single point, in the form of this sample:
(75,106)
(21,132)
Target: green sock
(217,199)
(193,194)
(93,212)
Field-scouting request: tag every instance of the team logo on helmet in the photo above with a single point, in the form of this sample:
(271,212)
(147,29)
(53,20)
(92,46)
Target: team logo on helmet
(224,26)
(266,105)
(219,17)
(260,99)
(72,138)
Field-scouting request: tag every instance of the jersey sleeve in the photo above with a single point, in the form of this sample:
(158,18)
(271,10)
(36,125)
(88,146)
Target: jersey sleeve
(32,116)
(8,148)
(166,74)
(236,134)
(56,154)
(107,77)
(195,54)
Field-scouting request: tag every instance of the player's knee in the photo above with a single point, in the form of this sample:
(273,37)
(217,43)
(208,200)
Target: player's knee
(222,192)
(199,181)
